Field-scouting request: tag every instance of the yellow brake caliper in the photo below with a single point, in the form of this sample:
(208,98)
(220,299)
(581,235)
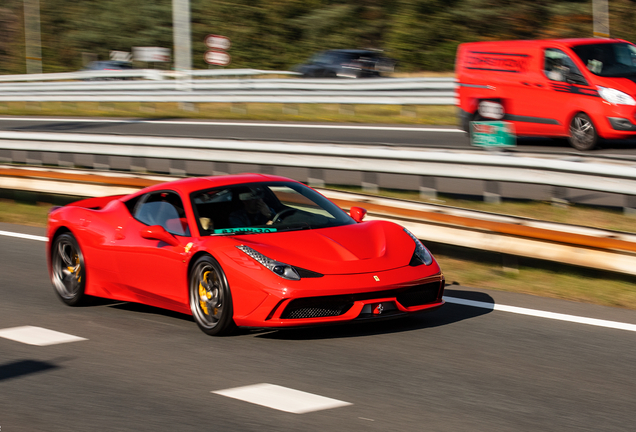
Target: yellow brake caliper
(76,270)
(204,294)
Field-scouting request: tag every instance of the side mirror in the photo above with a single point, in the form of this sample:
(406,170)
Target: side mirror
(357,213)
(575,78)
(157,232)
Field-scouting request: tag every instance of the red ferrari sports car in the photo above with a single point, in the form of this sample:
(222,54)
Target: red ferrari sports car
(244,250)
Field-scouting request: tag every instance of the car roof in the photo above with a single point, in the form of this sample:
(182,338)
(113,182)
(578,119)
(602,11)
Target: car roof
(569,42)
(192,184)
(352,51)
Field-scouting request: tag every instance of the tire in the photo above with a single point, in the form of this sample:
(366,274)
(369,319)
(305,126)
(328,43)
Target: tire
(68,270)
(210,298)
(583,135)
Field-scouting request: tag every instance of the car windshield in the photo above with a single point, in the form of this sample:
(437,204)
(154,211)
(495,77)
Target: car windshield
(608,59)
(256,208)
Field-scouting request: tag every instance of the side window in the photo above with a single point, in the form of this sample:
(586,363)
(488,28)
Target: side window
(165,209)
(558,66)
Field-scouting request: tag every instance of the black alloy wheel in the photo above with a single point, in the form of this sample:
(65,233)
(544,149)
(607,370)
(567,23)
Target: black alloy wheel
(68,270)
(210,297)
(583,135)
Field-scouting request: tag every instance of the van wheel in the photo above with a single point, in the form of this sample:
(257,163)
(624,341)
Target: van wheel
(583,134)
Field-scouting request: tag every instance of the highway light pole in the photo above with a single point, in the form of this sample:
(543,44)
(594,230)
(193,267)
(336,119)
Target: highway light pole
(182,42)
(32,41)
(601,18)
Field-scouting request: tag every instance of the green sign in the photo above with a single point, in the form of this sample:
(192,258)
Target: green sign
(492,134)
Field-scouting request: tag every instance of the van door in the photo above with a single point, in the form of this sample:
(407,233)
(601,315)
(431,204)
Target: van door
(562,91)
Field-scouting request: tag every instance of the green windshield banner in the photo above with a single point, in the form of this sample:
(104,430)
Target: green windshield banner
(244,230)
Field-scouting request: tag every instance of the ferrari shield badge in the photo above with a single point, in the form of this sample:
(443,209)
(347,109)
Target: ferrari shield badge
(377,279)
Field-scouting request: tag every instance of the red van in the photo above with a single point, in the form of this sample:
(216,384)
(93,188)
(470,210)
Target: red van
(581,89)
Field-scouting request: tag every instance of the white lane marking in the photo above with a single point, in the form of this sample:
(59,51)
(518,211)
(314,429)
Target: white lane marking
(281,398)
(483,305)
(24,236)
(273,125)
(38,336)
(543,314)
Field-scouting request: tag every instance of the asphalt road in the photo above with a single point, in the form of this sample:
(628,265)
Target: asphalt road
(392,135)
(460,368)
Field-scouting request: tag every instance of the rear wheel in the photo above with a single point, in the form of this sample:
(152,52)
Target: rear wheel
(210,297)
(583,135)
(68,270)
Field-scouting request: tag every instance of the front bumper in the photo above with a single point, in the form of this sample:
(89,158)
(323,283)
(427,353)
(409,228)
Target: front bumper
(314,307)
(622,124)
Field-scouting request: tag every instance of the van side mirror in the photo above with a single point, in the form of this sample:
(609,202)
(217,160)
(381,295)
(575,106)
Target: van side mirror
(357,213)
(575,78)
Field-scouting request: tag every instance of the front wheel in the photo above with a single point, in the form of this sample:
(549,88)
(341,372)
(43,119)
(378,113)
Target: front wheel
(583,135)
(68,270)
(210,297)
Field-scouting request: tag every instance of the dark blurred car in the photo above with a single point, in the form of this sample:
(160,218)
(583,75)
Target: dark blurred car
(347,64)
(108,65)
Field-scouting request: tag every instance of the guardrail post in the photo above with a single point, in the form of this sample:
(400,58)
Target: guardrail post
(221,168)
(290,109)
(370,182)
(238,108)
(408,110)
(559,196)
(428,187)
(630,205)
(316,177)
(491,192)
(188,106)
(347,109)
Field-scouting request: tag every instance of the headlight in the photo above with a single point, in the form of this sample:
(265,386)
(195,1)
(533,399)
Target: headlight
(281,269)
(421,253)
(615,97)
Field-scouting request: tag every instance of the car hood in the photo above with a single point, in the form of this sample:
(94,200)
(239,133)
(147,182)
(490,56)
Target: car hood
(361,248)
(627,85)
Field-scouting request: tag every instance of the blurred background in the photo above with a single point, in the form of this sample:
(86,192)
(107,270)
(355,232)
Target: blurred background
(421,35)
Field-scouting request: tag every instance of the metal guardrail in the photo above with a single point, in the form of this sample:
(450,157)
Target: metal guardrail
(576,245)
(370,167)
(137,73)
(123,86)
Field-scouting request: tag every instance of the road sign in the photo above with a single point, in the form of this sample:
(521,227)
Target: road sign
(121,56)
(151,54)
(219,58)
(492,134)
(217,42)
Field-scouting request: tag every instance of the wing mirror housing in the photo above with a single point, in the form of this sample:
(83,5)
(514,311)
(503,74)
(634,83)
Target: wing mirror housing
(357,213)
(157,232)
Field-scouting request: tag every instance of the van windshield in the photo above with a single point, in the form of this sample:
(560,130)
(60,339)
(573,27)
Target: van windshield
(608,59)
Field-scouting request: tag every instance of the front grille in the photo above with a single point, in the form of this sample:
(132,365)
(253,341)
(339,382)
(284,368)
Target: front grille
(419,295)
(316,307)
(329,306)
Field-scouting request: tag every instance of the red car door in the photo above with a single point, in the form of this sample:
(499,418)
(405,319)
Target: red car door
(153,270)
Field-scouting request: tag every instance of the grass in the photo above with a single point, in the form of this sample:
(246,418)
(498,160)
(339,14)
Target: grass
(540,278)
(477,268)
(23,213)
(411,114)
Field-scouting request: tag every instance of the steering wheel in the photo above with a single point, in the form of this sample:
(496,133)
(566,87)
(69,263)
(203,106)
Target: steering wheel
(278,217)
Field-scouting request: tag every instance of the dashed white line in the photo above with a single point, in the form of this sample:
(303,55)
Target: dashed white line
(272,125)
(543,314)
(281,398)
(24,236)
(38,336)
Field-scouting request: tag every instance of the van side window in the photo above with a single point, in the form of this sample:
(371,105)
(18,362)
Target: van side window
(558,66)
